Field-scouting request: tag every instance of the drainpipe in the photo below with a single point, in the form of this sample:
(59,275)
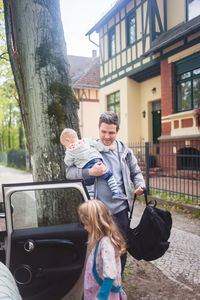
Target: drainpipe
(92,41)
(99,50)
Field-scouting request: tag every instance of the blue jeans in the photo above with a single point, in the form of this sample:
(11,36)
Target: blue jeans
(89,165)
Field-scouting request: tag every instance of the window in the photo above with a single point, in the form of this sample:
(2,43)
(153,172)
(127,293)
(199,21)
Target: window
(193,7)
(113,103)
(188,159)
(112,42)
(131,31)
(188,84)
(62,201)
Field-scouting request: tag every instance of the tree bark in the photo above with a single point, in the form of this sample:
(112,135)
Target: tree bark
(38,56)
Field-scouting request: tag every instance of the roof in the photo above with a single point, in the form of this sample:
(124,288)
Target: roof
(107,16)
(84,71)
(78,64)
(177,32)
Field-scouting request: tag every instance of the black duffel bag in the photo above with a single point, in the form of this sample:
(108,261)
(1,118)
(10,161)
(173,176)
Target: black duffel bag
(149,240)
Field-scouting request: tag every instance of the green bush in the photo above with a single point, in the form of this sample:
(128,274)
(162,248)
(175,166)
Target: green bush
(14,159)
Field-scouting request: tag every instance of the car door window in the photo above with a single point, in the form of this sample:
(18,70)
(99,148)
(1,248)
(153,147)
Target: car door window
(36,208)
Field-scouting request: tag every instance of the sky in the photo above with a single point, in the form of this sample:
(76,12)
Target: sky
(78,17)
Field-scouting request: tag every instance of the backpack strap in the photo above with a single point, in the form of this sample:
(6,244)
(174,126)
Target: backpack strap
(135,196)
(114,289)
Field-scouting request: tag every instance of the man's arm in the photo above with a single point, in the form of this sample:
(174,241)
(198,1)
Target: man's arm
(98,169)
(77,173)
(135,173)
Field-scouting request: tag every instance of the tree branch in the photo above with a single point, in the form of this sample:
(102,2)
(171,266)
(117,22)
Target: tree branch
(2,56)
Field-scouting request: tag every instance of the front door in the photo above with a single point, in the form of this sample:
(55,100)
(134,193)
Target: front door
(156,120)
(45,244)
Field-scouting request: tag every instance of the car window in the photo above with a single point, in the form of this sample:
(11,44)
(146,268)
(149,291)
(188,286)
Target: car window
(45,207)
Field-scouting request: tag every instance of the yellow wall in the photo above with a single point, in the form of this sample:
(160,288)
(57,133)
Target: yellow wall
(133,112)
(88,119)
(134,99)
(89,111)
(161,12)
(175,12)
(121,86)
(147,97)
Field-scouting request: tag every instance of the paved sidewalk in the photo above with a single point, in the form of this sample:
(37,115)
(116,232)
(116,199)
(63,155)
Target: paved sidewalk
(181,263)
(9,175)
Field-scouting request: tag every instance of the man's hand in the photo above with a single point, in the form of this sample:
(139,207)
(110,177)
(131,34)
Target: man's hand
(112,147)
(98,169)
(140,190)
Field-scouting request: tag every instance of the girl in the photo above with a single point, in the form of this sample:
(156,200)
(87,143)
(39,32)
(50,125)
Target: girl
(103,269)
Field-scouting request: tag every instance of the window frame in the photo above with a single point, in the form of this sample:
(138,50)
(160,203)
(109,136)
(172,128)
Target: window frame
(110,42)
(131,14)
(187,11)
(116,102)
(187,65)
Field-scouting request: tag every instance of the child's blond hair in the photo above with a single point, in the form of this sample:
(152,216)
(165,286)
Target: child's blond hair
(68,133)
(95,214)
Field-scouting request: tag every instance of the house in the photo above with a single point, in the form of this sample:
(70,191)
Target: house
(84,72)
(150,69)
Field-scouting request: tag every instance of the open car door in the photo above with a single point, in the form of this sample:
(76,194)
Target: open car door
(45,244)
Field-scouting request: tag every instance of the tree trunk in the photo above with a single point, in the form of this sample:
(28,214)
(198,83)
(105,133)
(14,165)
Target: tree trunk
(38,56)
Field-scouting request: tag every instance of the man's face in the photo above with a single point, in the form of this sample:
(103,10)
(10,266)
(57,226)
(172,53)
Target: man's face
(107,133)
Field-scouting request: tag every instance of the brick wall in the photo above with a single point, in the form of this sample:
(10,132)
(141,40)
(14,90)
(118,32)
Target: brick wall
(166,128)
(167,88)
(187,123)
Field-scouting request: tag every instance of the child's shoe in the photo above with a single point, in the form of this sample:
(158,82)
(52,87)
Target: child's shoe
(120,196)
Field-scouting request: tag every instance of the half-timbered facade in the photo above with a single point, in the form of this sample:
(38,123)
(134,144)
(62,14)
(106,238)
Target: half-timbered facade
(150,68)
(84,72)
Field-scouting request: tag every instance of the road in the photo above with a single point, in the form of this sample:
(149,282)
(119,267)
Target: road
(9,175)
(181,263)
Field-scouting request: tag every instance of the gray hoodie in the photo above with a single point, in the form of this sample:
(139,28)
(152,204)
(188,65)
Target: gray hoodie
(130,172)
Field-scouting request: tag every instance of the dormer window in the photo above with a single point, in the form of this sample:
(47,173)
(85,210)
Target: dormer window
(131,29)
(112,42)
(193,7)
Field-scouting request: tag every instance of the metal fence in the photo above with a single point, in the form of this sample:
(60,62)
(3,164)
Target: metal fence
(15,159)
(171,170)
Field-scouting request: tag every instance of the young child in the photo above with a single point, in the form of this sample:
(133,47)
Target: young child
(103,269)
(85,153)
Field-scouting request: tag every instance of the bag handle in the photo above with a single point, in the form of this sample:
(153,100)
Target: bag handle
(146,201)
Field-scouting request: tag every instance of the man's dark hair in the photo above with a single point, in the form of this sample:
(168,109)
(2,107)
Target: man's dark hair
(109,117)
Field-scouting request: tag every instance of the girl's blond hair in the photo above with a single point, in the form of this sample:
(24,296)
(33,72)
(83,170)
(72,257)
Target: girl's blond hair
(100,221)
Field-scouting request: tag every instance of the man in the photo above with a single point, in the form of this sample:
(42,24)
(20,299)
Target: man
(124,166)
